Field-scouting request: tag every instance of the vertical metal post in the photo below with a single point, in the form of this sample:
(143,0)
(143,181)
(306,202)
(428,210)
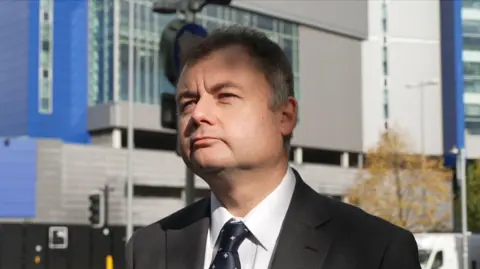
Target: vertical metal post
(422,144)
(189,175)
(462,177)
(130,140)
(422,119)
(106,192)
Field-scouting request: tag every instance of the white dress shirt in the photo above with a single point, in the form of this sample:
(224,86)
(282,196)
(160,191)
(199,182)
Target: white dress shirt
(264,222)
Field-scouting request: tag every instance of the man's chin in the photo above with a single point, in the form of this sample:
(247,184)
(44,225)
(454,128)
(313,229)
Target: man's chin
(203,166)
(207,166)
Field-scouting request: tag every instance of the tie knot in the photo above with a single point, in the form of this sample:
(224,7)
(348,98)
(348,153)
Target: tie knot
(232,235)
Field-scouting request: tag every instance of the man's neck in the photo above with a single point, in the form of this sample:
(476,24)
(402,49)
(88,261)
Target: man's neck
(240,191)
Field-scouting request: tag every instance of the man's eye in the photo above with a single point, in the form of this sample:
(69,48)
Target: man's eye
(186,104)
(226,95)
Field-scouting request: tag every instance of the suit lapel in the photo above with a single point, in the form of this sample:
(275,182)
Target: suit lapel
(185,247)
(305,238)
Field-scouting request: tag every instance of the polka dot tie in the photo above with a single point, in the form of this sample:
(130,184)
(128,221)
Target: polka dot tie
(231,236)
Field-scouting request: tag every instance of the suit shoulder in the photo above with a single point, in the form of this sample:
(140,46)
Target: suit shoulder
(176,220)
(187,215)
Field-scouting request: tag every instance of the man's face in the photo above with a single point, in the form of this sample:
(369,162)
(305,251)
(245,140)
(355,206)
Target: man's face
(225,117)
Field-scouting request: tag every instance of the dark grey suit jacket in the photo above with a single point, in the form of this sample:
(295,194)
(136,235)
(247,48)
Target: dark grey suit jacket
(318,233)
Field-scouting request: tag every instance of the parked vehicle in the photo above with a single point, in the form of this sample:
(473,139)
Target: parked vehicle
(445,250)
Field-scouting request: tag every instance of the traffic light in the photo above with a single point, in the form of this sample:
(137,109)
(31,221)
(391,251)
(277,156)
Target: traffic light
(97,209)
(169,111)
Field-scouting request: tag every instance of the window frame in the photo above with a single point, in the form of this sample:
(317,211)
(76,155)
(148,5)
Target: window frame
(45,83)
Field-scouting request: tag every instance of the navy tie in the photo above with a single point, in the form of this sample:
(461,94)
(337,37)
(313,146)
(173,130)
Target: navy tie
(231,236)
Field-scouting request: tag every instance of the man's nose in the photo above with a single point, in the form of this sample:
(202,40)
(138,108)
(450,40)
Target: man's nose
(203,111)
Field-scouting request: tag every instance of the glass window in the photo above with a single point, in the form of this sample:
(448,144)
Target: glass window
(471,43)
(471,68)
(471,27)
(101,49)
(472,85)
(264,22)
(45,85)
(472,110)
(471,3)
(472,125)
(150,81)
(385,60)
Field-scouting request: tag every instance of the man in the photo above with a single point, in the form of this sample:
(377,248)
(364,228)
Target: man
(237,112)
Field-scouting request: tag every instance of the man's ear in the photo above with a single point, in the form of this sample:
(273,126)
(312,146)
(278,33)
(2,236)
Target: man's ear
(288,113)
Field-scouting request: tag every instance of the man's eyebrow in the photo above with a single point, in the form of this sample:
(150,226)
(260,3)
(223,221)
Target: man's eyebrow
(185,94)
(224,84)
(213,89)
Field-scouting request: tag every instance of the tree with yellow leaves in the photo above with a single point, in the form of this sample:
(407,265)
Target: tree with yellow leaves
(473,199)
(406,189)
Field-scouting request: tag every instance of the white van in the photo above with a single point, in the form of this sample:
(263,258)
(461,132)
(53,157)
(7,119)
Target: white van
(444,250)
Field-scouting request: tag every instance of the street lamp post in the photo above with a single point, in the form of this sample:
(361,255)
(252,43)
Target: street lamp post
(130,134)
(421,86)
(461,168)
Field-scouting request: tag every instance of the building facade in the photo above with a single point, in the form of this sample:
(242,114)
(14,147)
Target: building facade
(359,66)
(471,64)
(44,69)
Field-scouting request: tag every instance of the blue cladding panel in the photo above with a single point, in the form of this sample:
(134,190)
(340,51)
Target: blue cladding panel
(14,31)
(70,77)
(452,77)
(18,172)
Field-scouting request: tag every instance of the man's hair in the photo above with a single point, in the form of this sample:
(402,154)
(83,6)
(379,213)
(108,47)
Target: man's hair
(268,57)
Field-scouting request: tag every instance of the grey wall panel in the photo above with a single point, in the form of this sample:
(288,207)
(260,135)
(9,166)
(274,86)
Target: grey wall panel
(331,180)
(147,117)
(373,122)
(49,181)
(68,173)
(345,17)
(472,145)
(330,91)
(412,64)
(423,19)
(413,56)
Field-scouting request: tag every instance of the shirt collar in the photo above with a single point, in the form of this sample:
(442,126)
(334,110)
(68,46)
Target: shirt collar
(265,220)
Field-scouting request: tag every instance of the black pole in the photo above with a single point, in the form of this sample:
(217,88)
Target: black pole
(106,191)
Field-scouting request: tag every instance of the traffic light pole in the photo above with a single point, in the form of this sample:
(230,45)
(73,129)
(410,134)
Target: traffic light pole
(189,8)
(106,192)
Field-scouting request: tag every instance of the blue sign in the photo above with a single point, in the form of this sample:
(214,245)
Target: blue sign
(188,35)
(177,37)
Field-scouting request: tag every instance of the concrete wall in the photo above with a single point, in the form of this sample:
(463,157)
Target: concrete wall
(67,173)
(372,81)
(413,57)
(345,17)
(331,88)
(146,117)
(472,146)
